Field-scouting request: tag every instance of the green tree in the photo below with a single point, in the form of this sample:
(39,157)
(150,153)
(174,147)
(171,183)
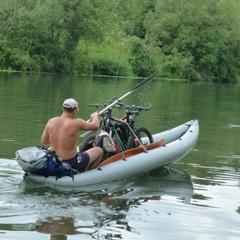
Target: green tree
(131,14)
(195,39)
(47,33)
(207,31)
(143,58)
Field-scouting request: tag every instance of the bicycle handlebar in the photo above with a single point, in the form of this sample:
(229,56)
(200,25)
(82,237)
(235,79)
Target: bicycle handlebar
(121,106)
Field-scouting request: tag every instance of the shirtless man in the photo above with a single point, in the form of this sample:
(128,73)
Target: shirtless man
(62,133)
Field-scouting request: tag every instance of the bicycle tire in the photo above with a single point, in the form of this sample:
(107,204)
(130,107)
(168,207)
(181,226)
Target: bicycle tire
(140,132)
(91,142)
(87,144)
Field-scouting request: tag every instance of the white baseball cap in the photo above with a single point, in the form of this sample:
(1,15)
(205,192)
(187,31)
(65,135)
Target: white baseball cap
(70,103)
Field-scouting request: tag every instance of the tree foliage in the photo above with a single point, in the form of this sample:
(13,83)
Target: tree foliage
(197,39)
(206,31)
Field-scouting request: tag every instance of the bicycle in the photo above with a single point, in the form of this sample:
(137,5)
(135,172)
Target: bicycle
(133,135)
(123,131)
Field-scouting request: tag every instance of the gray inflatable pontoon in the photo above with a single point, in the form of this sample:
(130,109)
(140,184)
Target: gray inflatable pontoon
(168,147)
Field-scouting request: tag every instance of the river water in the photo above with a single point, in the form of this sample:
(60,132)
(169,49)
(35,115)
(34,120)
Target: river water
(194,198)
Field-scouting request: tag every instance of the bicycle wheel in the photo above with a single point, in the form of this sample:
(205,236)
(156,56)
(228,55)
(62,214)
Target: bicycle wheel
(87,144)
(144,136)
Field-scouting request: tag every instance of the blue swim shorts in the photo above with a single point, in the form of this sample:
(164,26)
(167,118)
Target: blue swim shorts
(79,162)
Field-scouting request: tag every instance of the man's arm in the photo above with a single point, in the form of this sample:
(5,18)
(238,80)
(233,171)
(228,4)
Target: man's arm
(45,137)
(93,124)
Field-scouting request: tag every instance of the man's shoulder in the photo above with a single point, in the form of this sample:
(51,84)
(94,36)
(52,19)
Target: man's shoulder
(73,121)
(54,118)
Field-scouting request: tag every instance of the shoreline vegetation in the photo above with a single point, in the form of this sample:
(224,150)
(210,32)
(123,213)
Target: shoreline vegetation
(187,41)
(94,75)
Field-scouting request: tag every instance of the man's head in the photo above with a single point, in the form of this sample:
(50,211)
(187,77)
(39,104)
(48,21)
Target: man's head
(70,104)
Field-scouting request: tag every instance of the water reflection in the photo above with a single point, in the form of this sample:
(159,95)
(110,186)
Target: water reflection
(118,199)
(100,212)
(58,229)
(151,186)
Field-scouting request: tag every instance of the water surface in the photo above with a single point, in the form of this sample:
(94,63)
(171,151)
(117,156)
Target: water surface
(195,198)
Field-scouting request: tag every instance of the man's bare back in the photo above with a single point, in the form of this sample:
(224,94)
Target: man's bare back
(62,133)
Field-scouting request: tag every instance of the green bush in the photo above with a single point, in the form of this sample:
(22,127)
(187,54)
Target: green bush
(97,59)
(143,58)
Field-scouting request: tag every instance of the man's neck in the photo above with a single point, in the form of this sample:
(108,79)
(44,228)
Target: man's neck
(68,115)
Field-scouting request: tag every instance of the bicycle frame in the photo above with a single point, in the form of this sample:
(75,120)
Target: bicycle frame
(116,129)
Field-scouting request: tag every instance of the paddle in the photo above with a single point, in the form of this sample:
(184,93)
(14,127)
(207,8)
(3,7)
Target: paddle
(148,79)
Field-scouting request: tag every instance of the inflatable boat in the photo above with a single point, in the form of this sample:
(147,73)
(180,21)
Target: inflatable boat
(168,147)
